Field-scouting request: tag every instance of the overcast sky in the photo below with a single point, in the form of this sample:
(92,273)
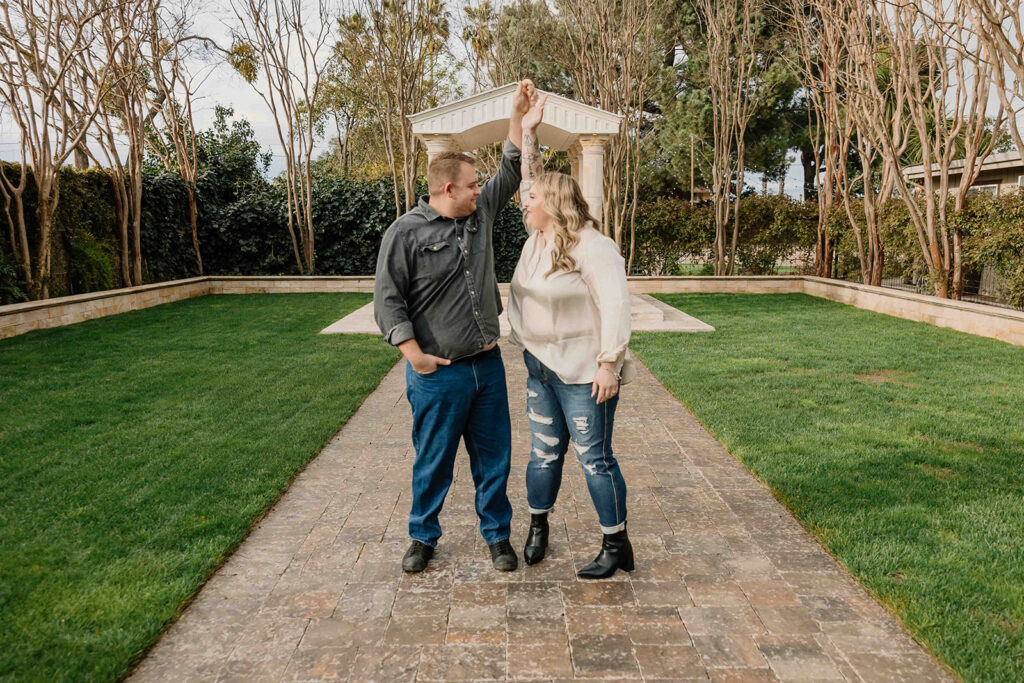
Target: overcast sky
(222,86)
(225,87)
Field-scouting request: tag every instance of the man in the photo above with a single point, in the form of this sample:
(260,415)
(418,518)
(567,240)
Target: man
(436,299)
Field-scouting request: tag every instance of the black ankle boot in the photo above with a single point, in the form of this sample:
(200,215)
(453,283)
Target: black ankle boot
(616,553)
(537,539)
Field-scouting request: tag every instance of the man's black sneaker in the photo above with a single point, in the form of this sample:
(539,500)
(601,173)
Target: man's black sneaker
(417,557)
(503,557)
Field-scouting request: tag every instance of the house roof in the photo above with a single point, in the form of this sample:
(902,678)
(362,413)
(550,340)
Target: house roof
(483,118)
(994,162)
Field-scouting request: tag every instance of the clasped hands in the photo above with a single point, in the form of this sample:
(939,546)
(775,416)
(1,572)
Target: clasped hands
(528,104)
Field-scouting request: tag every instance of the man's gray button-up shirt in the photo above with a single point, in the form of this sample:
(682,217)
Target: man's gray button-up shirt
(435,279)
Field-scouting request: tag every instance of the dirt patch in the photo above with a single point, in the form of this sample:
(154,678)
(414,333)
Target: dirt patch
(940,473)
(1013,627)
(952,446)
(885,377)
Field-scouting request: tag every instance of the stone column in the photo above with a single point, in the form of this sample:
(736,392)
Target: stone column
(575,151)
(591,174)
(436,144)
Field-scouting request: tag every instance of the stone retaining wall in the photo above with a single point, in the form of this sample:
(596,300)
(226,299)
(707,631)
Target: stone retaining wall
(753,284)
(36,315)
(987,321)
(290,285)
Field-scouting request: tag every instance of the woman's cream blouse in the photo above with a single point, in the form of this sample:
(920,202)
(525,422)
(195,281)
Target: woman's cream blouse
(571,321)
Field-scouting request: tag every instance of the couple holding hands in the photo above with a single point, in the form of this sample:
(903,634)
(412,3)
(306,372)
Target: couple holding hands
(436,298)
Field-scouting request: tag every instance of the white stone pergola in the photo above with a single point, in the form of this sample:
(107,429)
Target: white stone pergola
(481,119)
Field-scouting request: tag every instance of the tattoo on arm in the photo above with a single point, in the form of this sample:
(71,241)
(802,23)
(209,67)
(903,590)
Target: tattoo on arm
(532,163)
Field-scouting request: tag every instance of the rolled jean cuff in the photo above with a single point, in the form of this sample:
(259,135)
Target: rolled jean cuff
(535,511)
(432,544)
(613,529)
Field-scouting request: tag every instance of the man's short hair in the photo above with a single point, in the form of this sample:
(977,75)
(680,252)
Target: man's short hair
(446,168)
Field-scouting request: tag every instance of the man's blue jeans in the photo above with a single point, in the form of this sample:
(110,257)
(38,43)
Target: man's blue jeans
(465,400)
(561,414)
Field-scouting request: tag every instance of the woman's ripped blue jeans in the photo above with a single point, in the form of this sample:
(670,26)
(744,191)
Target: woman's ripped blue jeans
(563,415)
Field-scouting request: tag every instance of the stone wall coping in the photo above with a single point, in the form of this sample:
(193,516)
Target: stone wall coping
(23,317)
(95,296)
(26,306)
(967,306)
(285,278)
(723,278)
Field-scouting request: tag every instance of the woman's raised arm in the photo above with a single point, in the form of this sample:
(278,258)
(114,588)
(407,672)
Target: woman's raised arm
(532,162)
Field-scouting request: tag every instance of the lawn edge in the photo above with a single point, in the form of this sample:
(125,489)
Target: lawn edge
(926,646)
(134,663)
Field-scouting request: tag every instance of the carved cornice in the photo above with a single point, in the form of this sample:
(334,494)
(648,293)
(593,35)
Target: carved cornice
(483,118)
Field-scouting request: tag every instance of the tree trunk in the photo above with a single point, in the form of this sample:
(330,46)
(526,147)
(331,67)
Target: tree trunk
(958,266)
(41,274)
(135,196)
(26,258)
(736,209)
(137,248)
(823,252)
(810,173)
(871,201)
(19,234)
(291,220)
(81,157)
(878,264)
(193,216)
(121,214)
(731,268)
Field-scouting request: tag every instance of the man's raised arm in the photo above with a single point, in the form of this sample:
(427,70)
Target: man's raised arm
(499,189)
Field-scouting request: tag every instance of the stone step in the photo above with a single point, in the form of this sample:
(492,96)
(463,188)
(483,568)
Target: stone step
(642,311)
(647,315)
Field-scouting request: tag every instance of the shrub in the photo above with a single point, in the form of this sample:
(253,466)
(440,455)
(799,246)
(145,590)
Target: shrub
(994,235)
(669,231)
(92,263)
(245,231)
(83,227)
(12,290)
(771,229)
(166,241)
(901,252)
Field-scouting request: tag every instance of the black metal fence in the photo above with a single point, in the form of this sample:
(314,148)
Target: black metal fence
(979,288)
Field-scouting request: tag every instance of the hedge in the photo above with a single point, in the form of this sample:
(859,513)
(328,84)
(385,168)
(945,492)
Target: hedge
(243,228)
(240,233)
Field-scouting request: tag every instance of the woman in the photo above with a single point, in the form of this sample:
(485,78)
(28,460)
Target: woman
(569,310)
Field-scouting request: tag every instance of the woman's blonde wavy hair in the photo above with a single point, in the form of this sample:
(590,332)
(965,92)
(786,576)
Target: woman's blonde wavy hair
(570,213)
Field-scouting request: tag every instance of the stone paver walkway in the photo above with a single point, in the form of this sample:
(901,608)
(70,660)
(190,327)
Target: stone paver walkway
(728,585)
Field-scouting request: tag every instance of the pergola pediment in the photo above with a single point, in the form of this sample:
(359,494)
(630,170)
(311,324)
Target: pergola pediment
(483,118)
(478,120)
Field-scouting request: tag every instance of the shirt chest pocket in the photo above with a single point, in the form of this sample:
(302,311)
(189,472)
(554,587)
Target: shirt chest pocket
(434,260)
(476,243)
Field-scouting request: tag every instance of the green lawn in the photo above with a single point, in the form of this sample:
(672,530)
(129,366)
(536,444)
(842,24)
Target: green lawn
(137,450)
(898,444)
